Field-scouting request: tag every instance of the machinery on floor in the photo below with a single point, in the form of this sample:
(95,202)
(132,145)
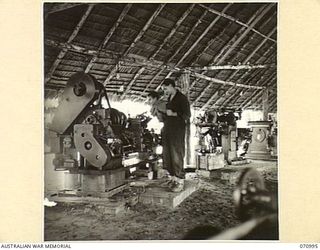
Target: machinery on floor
(255,206)
(93,140)
(263,143)
(217,133)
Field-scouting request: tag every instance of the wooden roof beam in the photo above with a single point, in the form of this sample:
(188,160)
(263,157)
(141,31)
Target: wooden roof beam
(273,100)
(273,109)
(215,80)
(253,98)
(209,101)
(128,58)
(229,46)
(273,104)
(251,101)
(239,93)
(79,49)
(235,41)
(234,37)
(199,39)
(210,63)
(177,25)
(70,39)
(109,35)
(145,27)
(50,8)
(233,44)
(151,82)
(174,29)
(267,80)
(236,21)
(140,71)
(261,81)
(183,44)
(195,26)
(230,67)
(259,61)
(213,40)
(137,38)
(233,101)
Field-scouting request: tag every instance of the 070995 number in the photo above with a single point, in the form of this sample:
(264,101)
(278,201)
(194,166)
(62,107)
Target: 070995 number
(308,245)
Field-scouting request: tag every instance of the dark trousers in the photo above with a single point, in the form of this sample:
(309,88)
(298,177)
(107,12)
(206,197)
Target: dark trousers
(173,143)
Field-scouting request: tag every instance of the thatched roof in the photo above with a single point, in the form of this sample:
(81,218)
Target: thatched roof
(229,49)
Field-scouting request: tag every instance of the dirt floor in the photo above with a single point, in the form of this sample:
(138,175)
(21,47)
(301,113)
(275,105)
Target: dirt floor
(211,205)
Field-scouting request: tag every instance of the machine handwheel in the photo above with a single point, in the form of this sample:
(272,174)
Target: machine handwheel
(250,185)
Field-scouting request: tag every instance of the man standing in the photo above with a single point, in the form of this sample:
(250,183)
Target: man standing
(173,136)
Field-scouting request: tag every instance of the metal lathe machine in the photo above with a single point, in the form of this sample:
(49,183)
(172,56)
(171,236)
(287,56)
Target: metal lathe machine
(93,140)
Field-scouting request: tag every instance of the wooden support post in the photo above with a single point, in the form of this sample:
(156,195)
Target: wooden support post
(265,104)
(184,81)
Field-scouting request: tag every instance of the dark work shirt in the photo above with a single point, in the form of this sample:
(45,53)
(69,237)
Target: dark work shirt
(179,104)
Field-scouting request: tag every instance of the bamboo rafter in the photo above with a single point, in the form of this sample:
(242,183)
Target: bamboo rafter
(273,103)
(216,58)
(108,36)
(177,25)
(159,65)
(134,79)
(237,93)
(255,51)
(236,21)
(261,81)
(183,44)
(212,61)
(251,78)
(50,8)
(235,96)
(236,67)
(267,82)
(252,98)
(215,80)
(255,95)
(216,92)
(70,39)
(209,27)
(233,44)
(137,38)
(235,41)
(172,32)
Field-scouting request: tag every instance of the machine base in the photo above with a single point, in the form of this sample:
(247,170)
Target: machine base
(156,195)
(101,200)
(94,181)
(210,161)
(228,174)
(260,156)
(79,195)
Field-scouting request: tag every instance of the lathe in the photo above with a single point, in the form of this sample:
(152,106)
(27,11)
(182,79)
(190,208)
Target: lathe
(219,128)
(94,140)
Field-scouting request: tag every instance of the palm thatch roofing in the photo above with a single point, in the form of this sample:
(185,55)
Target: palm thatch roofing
(229,50)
